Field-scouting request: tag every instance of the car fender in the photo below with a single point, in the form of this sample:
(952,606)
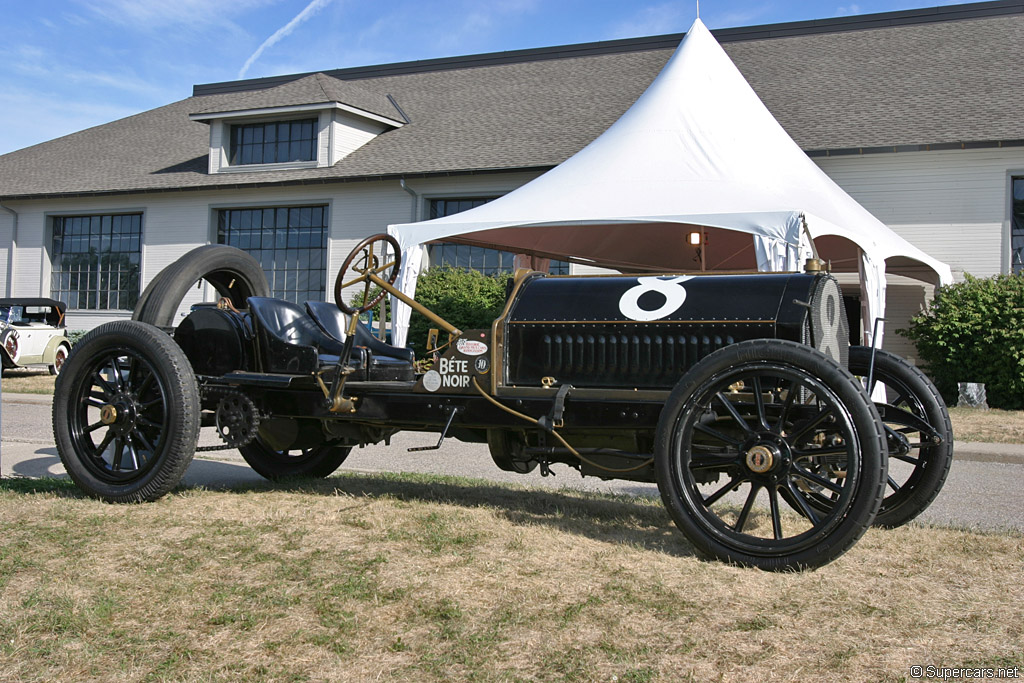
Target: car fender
(51,347)
(5,335)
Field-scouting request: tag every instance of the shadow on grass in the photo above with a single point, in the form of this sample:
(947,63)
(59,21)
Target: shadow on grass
(64,488)
(638,522)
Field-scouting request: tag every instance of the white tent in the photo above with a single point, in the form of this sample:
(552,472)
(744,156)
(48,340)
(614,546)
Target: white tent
(697,151)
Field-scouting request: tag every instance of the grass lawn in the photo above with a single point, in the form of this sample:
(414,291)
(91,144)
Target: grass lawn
(407,577)
(28,381)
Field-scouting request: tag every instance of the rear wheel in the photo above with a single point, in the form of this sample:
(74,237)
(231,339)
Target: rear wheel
(745,432)
(919,435)
(316,461)
(59,357)
(508,450)
(234,275)
(126,413)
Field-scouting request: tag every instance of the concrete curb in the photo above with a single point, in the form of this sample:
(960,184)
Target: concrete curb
(37,399)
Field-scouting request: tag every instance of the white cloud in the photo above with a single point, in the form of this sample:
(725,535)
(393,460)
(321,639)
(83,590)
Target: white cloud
(847,10)
(150,15)
(283,32)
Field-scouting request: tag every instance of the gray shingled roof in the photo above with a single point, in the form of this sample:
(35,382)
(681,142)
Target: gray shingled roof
(931,83)
(315,89)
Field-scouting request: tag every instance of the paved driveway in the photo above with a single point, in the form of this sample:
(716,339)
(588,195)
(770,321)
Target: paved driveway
(982,490)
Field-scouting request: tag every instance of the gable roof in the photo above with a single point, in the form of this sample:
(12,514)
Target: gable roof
(943,77)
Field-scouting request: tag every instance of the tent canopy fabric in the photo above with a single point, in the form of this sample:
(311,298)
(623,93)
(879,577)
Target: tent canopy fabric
(698,148)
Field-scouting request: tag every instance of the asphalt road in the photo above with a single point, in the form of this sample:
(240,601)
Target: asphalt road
(982,491)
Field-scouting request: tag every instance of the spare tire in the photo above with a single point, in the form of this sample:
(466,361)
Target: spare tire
(233,273)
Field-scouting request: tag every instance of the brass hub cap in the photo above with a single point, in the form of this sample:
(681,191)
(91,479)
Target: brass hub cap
(760,459)
(108,414)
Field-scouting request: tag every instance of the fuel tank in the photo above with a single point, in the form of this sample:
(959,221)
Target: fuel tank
(646,331)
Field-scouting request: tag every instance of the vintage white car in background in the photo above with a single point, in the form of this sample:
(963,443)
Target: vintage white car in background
(32,332)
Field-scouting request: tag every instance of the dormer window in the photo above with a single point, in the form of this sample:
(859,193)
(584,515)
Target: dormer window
(274,142)
(312,122)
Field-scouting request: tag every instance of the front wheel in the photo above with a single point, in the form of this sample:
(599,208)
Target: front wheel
(126,413)
(317,461)
(743,437)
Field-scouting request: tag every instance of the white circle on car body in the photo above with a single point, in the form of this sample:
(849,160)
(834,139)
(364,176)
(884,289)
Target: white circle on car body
(432,380)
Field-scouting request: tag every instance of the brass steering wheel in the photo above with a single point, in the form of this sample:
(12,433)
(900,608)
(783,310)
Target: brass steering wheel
(364,265)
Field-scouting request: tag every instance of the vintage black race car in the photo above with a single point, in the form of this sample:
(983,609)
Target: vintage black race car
(739,395)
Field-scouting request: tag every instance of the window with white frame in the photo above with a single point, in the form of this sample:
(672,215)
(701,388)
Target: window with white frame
(1017,228)
(95,260)
(274,142)
(290,242)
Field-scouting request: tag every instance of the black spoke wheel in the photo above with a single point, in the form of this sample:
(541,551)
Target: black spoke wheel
(315,462)
(920,455)
(234,275)
(126,413)
(746,432)
(371,256)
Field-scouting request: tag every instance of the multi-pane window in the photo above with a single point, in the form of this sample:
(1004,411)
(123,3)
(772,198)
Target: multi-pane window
(273,143)
(487,261)
(1017,228)
(290,242)
(96,261)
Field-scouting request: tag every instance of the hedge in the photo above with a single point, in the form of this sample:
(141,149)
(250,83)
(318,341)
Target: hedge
(973,331)
(467,299)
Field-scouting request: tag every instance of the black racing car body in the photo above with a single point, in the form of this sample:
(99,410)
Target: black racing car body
(732,392)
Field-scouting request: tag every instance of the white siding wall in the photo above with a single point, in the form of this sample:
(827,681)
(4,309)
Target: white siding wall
(218,145)
(954,205)
(348,133)
(6,237)
(173,224)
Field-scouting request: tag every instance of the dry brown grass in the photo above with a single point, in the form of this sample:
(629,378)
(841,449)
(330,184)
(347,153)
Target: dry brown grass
(28,381)
(418,578)
(992,426)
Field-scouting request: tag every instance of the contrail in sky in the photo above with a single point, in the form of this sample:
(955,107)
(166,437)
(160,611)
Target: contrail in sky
(311,9)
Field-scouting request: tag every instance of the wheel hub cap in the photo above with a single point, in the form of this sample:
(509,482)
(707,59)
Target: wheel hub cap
(761,458)
(120,414)
(108,414)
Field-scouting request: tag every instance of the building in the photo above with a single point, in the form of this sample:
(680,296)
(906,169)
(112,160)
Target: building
(916,114)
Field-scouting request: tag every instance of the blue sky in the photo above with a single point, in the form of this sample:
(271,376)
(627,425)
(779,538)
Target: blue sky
(66,65)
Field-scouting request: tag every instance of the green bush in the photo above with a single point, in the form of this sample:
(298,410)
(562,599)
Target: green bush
(465,298)
(75,336)
(973,331)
